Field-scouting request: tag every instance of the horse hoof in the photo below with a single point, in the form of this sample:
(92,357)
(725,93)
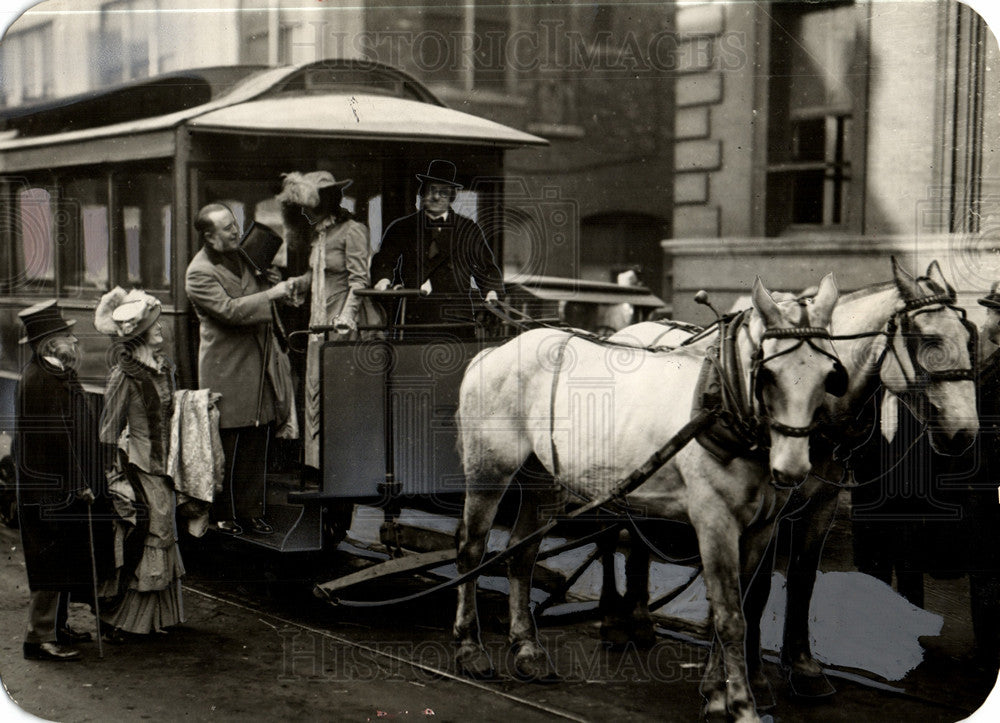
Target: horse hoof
(535,670)
(763,695)
(475,663)
(810,686)
(714,714)
(644,635)
(614,634)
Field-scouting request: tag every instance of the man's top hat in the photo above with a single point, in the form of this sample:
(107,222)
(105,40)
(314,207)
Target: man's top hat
(440,172)
(992,299)
(260,244)
(41,320)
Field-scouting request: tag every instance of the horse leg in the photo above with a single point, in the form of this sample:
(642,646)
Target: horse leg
(725,685)
(809,532)
(477,519)
(758,564)
(614,628)
(531,662)
(637,593)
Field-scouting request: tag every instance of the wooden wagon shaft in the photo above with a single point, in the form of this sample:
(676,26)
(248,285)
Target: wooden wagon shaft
(688,432)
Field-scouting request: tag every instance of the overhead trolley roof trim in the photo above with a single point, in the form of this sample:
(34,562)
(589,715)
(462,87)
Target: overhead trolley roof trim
(359,115)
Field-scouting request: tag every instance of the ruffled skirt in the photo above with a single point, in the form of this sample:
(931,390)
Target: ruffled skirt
(153,599)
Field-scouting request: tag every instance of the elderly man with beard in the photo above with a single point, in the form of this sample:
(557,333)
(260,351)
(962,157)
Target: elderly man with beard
(57,463)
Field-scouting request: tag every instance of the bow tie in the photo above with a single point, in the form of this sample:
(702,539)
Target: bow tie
(437,222)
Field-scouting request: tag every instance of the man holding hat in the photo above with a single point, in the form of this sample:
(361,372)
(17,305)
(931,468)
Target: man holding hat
(439,251)
(238,359)
(982,505)
(57,464)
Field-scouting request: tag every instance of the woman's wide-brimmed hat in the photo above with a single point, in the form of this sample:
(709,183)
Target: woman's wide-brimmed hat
(304,188)
(992,299)
(440,172)
(41,320)
(126,316)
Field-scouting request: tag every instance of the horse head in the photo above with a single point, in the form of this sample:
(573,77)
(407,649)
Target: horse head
(929,359)
(795,368)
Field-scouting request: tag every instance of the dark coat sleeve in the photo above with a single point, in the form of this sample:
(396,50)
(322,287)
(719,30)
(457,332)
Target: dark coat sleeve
(398,240)
(476,252)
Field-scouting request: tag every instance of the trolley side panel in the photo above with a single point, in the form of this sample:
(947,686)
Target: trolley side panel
(352,419)
(425,383)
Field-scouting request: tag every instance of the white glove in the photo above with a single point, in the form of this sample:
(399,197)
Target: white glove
(382,285)
(280,290)
(425,288)
(344,325)
(491,297)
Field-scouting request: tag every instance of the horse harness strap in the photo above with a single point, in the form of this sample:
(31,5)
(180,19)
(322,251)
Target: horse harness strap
(615,495)
(733,432)
(557,367)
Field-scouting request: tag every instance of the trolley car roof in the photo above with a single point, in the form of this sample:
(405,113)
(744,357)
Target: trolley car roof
(360,115)
(329,99)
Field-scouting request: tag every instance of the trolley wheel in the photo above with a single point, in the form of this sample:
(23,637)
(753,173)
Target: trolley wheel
(8,493)
(337,519)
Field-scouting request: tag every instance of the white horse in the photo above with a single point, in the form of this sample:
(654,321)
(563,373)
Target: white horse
(588,414)
(908,337)
(911,339)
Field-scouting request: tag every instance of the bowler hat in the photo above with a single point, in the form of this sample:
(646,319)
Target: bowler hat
(440,172)
(41,320)
(260,244)
(992,299)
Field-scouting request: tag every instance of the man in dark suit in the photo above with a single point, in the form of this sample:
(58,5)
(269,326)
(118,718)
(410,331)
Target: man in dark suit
(982,506)
(440,252)
(56,456)
(238,359)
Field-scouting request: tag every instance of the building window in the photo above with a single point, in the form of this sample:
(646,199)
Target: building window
(257,23)
(128,41)
(27,65)
(814,151)
(466,45)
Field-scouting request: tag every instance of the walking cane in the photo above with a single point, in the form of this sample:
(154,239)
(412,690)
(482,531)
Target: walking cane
(263,375)
(93,573)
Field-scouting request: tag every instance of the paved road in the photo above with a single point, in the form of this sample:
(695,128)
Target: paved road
(258,646)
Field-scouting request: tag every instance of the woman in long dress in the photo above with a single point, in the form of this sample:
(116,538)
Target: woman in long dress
(339,255)
(138,405)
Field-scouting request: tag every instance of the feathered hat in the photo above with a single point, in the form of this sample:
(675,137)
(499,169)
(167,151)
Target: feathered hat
(303,188)
(126,316)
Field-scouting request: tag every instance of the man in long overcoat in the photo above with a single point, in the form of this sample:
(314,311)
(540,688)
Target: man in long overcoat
(440,251)
(58,468)
(237,359)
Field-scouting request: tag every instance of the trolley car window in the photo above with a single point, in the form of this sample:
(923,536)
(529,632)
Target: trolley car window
(83,261)
(146,218)
(35,262)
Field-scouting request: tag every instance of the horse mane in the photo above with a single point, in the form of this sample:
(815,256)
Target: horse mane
(866,291)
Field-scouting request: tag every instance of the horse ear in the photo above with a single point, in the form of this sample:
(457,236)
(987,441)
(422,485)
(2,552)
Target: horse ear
(764,304)
(935,274)
(906,284)
(825,300)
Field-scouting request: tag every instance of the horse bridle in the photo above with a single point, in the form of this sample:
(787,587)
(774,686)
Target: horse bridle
(904,326)
(836,383)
